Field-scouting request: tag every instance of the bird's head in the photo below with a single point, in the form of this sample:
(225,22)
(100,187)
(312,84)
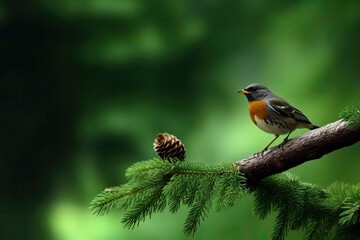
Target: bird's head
(255,92)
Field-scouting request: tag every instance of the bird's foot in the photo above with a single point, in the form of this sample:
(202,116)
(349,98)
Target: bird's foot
(283,143)
(261,153)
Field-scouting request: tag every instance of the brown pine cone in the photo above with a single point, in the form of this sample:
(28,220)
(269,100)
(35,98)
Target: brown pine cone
(168,147)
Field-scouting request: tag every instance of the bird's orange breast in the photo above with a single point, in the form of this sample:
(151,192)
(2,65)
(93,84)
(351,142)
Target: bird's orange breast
(258,109)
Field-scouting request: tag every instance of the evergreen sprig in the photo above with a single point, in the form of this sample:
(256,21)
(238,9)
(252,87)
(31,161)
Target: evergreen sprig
(331,213)
(154,184)
(352,115)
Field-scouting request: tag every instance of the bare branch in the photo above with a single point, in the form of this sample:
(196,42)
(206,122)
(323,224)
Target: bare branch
(309,146)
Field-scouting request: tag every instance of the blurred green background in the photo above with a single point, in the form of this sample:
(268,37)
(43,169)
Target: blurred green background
(87,85)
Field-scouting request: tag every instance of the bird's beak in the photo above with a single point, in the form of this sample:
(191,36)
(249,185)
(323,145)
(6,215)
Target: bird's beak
(243,91)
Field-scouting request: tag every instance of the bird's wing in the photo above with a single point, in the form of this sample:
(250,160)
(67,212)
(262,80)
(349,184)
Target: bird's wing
(281,107)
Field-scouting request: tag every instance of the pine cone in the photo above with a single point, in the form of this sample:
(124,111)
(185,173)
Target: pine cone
(168,147)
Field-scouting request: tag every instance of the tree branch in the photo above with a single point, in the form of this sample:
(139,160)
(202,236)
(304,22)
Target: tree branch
(309,146)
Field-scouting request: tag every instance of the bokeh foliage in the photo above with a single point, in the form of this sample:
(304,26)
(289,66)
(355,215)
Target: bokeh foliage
(87,85)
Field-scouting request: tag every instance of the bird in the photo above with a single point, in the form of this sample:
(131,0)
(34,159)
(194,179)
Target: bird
(273,114)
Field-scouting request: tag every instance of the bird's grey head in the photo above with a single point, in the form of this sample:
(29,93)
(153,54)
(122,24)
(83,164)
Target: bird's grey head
(255,92)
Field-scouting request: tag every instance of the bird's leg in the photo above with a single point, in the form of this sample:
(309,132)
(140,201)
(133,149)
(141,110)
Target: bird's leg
(285,139)
(266,148)
(276,136)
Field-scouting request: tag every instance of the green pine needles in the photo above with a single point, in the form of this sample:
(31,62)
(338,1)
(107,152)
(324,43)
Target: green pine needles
(352,115)
(155,184)
(331,213)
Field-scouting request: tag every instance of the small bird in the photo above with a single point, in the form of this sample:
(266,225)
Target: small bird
(272,114)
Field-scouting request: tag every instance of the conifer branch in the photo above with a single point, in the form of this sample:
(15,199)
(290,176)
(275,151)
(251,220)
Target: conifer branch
(154,184)
(312,145)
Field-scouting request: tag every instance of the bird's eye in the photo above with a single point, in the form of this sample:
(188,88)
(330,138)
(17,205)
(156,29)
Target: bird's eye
(253,89)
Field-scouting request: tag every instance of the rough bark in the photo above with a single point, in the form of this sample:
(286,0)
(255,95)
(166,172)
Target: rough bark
(309,146)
